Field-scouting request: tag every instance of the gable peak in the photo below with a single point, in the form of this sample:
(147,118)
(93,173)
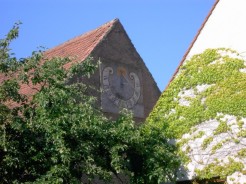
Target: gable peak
(82,45)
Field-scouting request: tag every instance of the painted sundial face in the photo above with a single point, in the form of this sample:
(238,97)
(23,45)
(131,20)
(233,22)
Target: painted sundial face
(121,86)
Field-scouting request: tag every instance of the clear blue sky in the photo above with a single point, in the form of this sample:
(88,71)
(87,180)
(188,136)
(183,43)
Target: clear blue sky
(161,30)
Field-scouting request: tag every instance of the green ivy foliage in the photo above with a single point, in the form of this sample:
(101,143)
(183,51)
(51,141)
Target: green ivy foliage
(219,69)
(226,96)
(215,169)
(57,135)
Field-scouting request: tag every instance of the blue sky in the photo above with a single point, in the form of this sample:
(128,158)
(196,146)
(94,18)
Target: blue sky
(161,30)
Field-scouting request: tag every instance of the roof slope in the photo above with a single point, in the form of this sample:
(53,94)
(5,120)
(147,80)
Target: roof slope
(79,48)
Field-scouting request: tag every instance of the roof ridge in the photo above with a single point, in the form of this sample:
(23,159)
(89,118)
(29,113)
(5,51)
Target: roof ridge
(109,24)
(193,42)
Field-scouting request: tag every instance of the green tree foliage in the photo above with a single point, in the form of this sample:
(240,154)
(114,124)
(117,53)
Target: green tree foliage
(58,136)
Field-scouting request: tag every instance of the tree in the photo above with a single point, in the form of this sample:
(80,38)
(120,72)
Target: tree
(58,136)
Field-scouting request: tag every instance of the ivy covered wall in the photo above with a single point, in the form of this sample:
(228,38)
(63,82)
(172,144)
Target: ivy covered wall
(204,110)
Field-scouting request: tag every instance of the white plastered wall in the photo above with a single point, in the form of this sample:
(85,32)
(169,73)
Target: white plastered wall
(226,27)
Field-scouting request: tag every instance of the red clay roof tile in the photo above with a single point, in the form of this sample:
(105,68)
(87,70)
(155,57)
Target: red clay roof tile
(79,48)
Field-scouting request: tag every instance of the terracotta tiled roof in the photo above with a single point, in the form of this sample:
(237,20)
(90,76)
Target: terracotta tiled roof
(192,43)
(79,48)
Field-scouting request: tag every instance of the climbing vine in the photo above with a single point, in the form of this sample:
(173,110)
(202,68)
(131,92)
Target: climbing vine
(204,110)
